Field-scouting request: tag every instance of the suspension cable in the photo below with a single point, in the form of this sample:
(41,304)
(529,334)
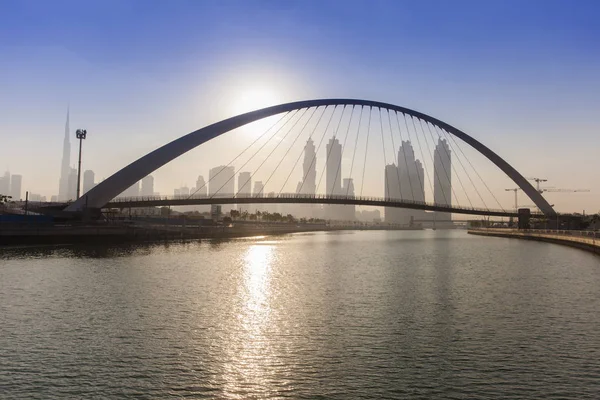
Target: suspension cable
(264,144)
(362,182)
(421,149)
(247,148)
(329,152)
(344,147)
(286,153)
(466,172)
(406,160)
(355,143)
(453,168)
(397,160)
(448,175)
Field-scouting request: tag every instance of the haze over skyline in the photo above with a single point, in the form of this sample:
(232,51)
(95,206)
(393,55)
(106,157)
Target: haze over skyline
(523,78)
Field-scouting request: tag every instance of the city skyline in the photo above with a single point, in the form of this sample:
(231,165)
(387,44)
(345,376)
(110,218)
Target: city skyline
(498,94)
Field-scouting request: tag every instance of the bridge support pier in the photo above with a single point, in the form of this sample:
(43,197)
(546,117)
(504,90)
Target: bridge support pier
(524,218)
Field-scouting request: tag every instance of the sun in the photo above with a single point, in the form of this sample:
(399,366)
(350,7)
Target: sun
(251,99)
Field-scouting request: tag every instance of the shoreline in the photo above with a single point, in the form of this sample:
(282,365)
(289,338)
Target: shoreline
(67,235)
(589,244)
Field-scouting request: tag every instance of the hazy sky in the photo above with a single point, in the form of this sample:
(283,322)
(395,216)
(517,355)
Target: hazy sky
(523,77)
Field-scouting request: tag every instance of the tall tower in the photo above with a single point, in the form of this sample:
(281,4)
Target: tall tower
(309,169)
(410,175)
(244,188)
(65,167)
(201,188)
(147,186)
(442,188)
(88,181)
(334,177)
(15,187)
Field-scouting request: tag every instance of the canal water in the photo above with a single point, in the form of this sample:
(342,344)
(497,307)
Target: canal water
(343,315)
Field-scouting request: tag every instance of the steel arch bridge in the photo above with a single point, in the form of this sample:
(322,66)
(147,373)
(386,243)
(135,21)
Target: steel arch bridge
(104,192)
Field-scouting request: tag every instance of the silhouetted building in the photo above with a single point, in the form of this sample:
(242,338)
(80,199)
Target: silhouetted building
(258,191)
(201,188)
(72,187)
(348,211)
(442,188)
(64,188)
(88,181)
(147,186)
(221,183)
(308,184)
(411,176)
(333,178)
(15,187)
(5,184)
(392,215)
(132,191)
(244,188)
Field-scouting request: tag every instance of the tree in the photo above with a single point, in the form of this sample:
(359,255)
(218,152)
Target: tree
(234,214)
(4,199)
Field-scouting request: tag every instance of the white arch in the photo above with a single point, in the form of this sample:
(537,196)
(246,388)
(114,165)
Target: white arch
(121,180)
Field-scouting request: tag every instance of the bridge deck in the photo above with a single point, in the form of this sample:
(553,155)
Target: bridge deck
(161,201)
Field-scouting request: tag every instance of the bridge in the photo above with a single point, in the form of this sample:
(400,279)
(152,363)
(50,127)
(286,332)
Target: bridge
(431,174)
(295,198)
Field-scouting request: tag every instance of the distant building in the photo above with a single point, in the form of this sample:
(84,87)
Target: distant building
(88,181)
(333,178)
(5,184)
(72,187)
(244,189)
(147,186)
(442,188)
(221,183)
(15,187)
(405,181)
(132,191)
(64,186)
(258,191)
(348,211)
(201,188)
(54,199)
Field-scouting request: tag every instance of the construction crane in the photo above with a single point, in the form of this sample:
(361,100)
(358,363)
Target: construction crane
(537,181)
(563,190)
(551,189)
(516,190)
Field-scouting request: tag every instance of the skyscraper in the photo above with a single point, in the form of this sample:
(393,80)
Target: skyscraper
(131,191)
(258,191)
(65,169)
(348,211)
(244,188)
(222,183)
(442,188)
(308,185)
(392,215)
(5,184)
(200,186)
(88,181)
(15,187)
(71,193)
(410,176)
(334,167)
(333,179)
(147,186)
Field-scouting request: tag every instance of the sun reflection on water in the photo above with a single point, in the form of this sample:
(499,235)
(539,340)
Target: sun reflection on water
(250,354)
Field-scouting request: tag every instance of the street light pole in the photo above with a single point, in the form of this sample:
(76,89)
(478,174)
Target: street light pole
(81,135)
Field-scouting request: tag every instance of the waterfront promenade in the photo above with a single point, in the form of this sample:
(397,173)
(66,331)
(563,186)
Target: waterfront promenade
(586,240)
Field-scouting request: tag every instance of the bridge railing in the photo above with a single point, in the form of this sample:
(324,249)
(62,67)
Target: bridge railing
(216,197)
